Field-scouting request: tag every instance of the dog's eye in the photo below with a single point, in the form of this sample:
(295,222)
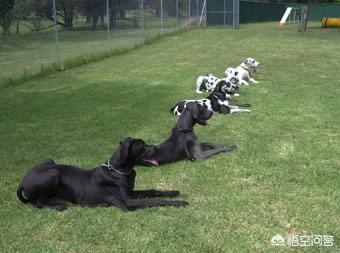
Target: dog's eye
(253,61)
(236,73)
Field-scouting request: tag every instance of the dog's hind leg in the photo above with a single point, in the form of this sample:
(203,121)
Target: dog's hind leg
(46,162)
(46,202)
(133,204)
(154,193)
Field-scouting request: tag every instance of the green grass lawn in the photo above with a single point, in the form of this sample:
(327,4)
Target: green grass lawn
(283,179)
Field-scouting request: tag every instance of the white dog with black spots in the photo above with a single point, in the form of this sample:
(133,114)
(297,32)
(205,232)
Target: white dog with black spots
(243,71)
(208,83)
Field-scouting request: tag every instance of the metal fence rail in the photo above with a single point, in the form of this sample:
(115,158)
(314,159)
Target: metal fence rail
(37,33)
(223,12)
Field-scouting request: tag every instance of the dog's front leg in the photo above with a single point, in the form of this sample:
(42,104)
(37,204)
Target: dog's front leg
(207,146)
(153,193)
(244,82)
(235,110)
(211,152)
(133,204)
(253,80)
(197,152)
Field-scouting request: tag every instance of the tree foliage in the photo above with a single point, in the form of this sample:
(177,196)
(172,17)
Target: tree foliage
(6,7)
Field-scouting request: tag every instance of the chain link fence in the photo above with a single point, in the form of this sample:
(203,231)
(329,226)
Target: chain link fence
(36,34)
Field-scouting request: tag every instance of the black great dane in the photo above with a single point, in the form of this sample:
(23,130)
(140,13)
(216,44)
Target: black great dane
(183,143)
(111,184)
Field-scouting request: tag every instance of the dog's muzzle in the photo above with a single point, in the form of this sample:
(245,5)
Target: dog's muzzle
(234,80)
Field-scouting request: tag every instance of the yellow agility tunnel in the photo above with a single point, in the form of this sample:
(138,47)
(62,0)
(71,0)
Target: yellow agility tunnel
(331,22)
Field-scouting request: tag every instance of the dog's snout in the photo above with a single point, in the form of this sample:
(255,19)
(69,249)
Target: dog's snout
(233,80)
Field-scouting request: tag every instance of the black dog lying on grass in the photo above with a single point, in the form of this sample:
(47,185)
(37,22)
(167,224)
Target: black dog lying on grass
(183,143)
(50,185)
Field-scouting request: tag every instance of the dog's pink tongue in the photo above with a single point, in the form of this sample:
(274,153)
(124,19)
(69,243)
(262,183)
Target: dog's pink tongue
(151,161)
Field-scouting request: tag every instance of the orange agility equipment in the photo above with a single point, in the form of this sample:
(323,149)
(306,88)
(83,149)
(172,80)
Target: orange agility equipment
(331,22)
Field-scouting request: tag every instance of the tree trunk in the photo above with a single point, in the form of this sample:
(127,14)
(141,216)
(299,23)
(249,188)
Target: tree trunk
(102,20)
(113,18)
(67,6)
(122,13)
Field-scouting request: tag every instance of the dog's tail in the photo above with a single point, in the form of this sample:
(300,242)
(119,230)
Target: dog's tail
(21,195)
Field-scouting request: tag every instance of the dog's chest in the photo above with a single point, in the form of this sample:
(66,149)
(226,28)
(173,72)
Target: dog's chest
(211,83)
(242,73)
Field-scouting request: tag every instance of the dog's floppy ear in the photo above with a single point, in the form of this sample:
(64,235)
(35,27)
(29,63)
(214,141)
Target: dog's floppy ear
(194,108)
(221,85)
(123,151)
(218,86)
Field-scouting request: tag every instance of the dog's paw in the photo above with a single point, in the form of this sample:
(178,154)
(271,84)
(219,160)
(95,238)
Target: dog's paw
(236,95)
(181,203)
(199,92)
(60,207)
(173,193)
(230,148)
(246,110)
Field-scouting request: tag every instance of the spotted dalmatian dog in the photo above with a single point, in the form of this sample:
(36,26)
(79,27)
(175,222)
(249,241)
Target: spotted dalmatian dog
(215,102)
(243,71)
(208,83)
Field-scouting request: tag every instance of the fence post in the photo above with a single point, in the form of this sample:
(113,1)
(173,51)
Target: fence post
(142,18)
(224,14)
(236,13)
(304,18)
(162,18)
(203,8)
(205,13)
(177,15)
(189,9)
(56,34)
(108,22)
